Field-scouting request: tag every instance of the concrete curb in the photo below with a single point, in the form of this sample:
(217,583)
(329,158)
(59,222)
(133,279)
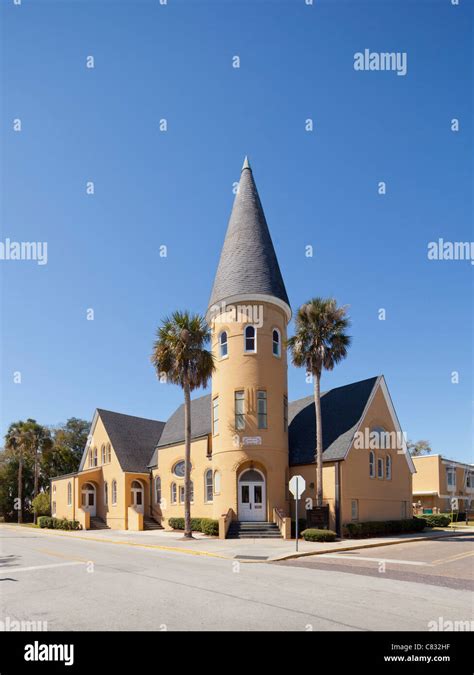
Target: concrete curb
(305,554)
(289,556)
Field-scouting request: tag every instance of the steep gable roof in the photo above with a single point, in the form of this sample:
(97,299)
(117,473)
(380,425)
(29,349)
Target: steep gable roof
(133,438)
(174,428)
(341,410)
(248,264)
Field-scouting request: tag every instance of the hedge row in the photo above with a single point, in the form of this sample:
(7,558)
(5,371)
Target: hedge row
(312,534)
(205,525)
(436,520)
(58,523)
(374,528)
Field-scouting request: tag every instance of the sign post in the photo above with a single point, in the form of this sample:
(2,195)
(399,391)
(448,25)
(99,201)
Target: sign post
(297,486)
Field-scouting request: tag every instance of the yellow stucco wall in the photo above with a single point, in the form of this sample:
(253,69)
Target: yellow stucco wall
(377,499)
(231,453)
(168,457)
(115,515)
(431,477)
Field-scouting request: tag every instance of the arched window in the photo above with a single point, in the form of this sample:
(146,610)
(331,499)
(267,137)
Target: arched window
(173,493)
(69,493)
(157,490)
(217,483)
(114,492)
(388,468)
(276,342)
(106,493)
(371,464)
(94,457)
(223,344)
(109,453)
(191,491)
(380,467)
(250,339)
(208,493)
(103,455)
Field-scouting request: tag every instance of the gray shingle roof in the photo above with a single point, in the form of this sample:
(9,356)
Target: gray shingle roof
(248,263)
(341,410)
(174,427)
(133,438)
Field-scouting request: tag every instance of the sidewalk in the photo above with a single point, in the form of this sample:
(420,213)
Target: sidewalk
(246,550)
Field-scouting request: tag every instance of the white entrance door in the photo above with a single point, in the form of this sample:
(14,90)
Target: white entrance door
(137,496)
(252,496)
(88,500)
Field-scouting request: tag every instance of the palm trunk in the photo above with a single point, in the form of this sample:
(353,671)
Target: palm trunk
(187,461)
(319,441)
(20,487)
(35,488)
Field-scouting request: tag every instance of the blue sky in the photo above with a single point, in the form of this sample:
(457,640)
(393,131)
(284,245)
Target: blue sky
(174,188)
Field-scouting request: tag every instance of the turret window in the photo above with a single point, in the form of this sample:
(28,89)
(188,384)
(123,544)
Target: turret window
(250,339)
(223,351)
(276,342)
(208,485)
(262,409)
(239,405)
(215,415)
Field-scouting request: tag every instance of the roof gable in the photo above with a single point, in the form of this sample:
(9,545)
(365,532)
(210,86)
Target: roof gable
(342,409)
(133,438)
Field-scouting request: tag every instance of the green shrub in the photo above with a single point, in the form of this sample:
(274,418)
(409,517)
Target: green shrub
(384,527)
(210,527)
(178,524)
(58,523)
(437,520)
(312,534)
(41,504)
(301,527)
(45,521)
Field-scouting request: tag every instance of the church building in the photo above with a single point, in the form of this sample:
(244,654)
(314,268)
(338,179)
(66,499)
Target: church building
(248,437)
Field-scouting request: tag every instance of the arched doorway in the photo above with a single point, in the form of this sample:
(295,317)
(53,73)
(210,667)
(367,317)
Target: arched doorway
(252,498)
(137,495)
(88,500)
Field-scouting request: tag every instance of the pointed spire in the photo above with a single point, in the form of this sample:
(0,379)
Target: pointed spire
(246,164)
(248,266)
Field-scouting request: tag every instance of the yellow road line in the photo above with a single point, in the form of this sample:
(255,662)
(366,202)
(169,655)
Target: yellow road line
(453,558)
(60,555)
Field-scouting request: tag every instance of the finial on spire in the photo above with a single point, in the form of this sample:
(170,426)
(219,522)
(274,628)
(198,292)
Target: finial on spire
(246,164)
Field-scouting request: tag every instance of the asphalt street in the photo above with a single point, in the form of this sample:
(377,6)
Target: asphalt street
(72,584)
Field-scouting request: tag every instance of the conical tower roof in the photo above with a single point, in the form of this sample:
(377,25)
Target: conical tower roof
(248,267)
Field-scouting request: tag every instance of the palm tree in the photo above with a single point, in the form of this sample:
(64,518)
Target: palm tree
(179,353)
(320,341)
(20,441)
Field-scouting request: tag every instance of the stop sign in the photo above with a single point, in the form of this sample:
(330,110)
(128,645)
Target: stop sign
(297,486)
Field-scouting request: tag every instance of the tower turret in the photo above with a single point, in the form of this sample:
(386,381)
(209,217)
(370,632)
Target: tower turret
(248,313)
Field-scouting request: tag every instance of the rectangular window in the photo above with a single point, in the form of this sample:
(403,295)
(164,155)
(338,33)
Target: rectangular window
(285,413)
(239,403)
(379,467)
(181,494)
(208,486)
(354,509)
(451,477)
(262,409)
(215,416)
(173,493)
